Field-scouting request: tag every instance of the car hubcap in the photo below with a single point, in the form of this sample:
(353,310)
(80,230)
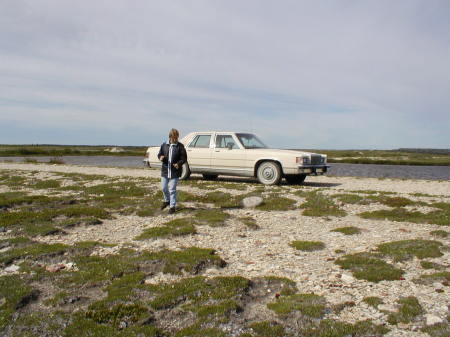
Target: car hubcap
(268,173)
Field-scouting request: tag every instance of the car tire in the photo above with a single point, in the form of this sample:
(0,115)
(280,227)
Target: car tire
(210,176)
(269,173)
(295,179)
(185,172)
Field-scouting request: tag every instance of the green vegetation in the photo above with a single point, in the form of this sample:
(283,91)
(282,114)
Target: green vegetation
(307,246)
(431,265)
(307,304)
(211,217)
(439,329)
(386,157)
(409,309)
(440,233)
(249,222)
(438,217)
(177,227)
(443,276)
(332,328)
(373,301)
(317,204)
(267,329)
(349,198)
(274,202)
(406,249)
(68,150)
(366,266)
(350,230)
(14,294)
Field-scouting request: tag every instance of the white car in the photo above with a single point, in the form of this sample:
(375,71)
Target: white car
(242,154)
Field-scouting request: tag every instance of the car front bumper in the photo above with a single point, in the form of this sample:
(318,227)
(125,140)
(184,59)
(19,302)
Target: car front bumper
(312,169)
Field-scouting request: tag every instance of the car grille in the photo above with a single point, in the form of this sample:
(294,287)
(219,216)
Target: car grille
(315,159)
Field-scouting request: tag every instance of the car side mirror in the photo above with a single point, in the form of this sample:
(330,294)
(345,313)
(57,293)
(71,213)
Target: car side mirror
(230,146)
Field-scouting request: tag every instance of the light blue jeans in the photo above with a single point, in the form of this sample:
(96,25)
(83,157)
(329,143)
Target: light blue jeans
(169,189)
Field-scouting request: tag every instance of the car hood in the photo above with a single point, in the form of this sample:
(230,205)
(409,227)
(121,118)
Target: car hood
(274,152)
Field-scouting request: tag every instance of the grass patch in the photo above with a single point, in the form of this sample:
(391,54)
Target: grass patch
(307,304)
(431,265)
(443,276)
(307,246)
(32,251)
(317,204)
(46,184)
(332,328)
(15,294)
(197,291)
(267,329)
(348,198)
(438,330)
(350,230)
(249,221)
(56,160)
(211,217)
(406,249)
(274,202)
(177,227)
(440,233)
(438,217)
(408,310)
(365,266)
(373,301)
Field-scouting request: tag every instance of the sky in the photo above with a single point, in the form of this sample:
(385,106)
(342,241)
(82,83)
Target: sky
(328,74)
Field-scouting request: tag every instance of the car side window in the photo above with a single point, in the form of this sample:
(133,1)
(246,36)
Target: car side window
(201,141)
(223,141)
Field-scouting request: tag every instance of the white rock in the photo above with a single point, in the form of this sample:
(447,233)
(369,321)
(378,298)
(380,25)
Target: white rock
(12,268)
(347,278)
(432,319)
(250,202)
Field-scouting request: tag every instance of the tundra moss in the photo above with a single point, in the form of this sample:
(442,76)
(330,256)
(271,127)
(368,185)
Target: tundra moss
(211,217)
(317,204)
(267,329)
(365,266)
(332,328)
(177,227)
(373,301)
(350,230)
(307,246)
(438,217)
(440,233)
(274,202)
(249,222)
(406,249)
(409,309)
(307,304)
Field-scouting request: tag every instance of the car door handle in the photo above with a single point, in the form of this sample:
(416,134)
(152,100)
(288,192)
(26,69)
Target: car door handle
(216,150)
(189,150)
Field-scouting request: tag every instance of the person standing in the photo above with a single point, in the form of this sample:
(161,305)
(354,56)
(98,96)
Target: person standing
(173,155)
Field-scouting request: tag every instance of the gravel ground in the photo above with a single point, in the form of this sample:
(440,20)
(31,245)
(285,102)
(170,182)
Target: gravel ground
(266,251)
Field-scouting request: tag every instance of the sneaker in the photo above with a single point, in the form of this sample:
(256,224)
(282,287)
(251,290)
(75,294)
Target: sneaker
(171,210)
(164,205)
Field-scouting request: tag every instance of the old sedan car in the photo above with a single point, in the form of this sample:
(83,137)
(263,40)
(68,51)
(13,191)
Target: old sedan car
(243,154)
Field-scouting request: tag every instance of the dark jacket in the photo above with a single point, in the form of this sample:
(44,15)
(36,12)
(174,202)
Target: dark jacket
(175,156)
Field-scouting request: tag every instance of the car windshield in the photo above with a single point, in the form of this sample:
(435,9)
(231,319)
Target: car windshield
(250,141)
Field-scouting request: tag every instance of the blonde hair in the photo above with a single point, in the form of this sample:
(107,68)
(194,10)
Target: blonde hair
(173,135)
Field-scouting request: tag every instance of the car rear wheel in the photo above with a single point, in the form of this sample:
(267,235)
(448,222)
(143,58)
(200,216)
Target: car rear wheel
(210,176)
(269,173)
(185,172)
(295,179)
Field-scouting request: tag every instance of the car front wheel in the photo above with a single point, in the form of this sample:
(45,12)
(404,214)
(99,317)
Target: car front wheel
(269,173)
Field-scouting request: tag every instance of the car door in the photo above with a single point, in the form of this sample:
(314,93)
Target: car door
(228,155)
(199,153)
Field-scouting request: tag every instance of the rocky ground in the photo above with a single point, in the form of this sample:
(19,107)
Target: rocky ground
(264,249)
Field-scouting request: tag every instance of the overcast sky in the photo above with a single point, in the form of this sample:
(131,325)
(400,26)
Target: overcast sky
(305,74)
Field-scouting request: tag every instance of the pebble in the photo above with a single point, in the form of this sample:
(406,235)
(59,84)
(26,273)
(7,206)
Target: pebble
(12,268)
(432,319)
(251,202)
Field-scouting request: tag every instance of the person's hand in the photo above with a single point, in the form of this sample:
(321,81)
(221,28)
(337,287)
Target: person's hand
(175,165)
(161,158)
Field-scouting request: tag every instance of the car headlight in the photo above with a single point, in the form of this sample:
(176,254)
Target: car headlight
(302,160)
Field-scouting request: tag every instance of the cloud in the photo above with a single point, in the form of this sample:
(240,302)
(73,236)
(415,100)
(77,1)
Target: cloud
(347,74)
